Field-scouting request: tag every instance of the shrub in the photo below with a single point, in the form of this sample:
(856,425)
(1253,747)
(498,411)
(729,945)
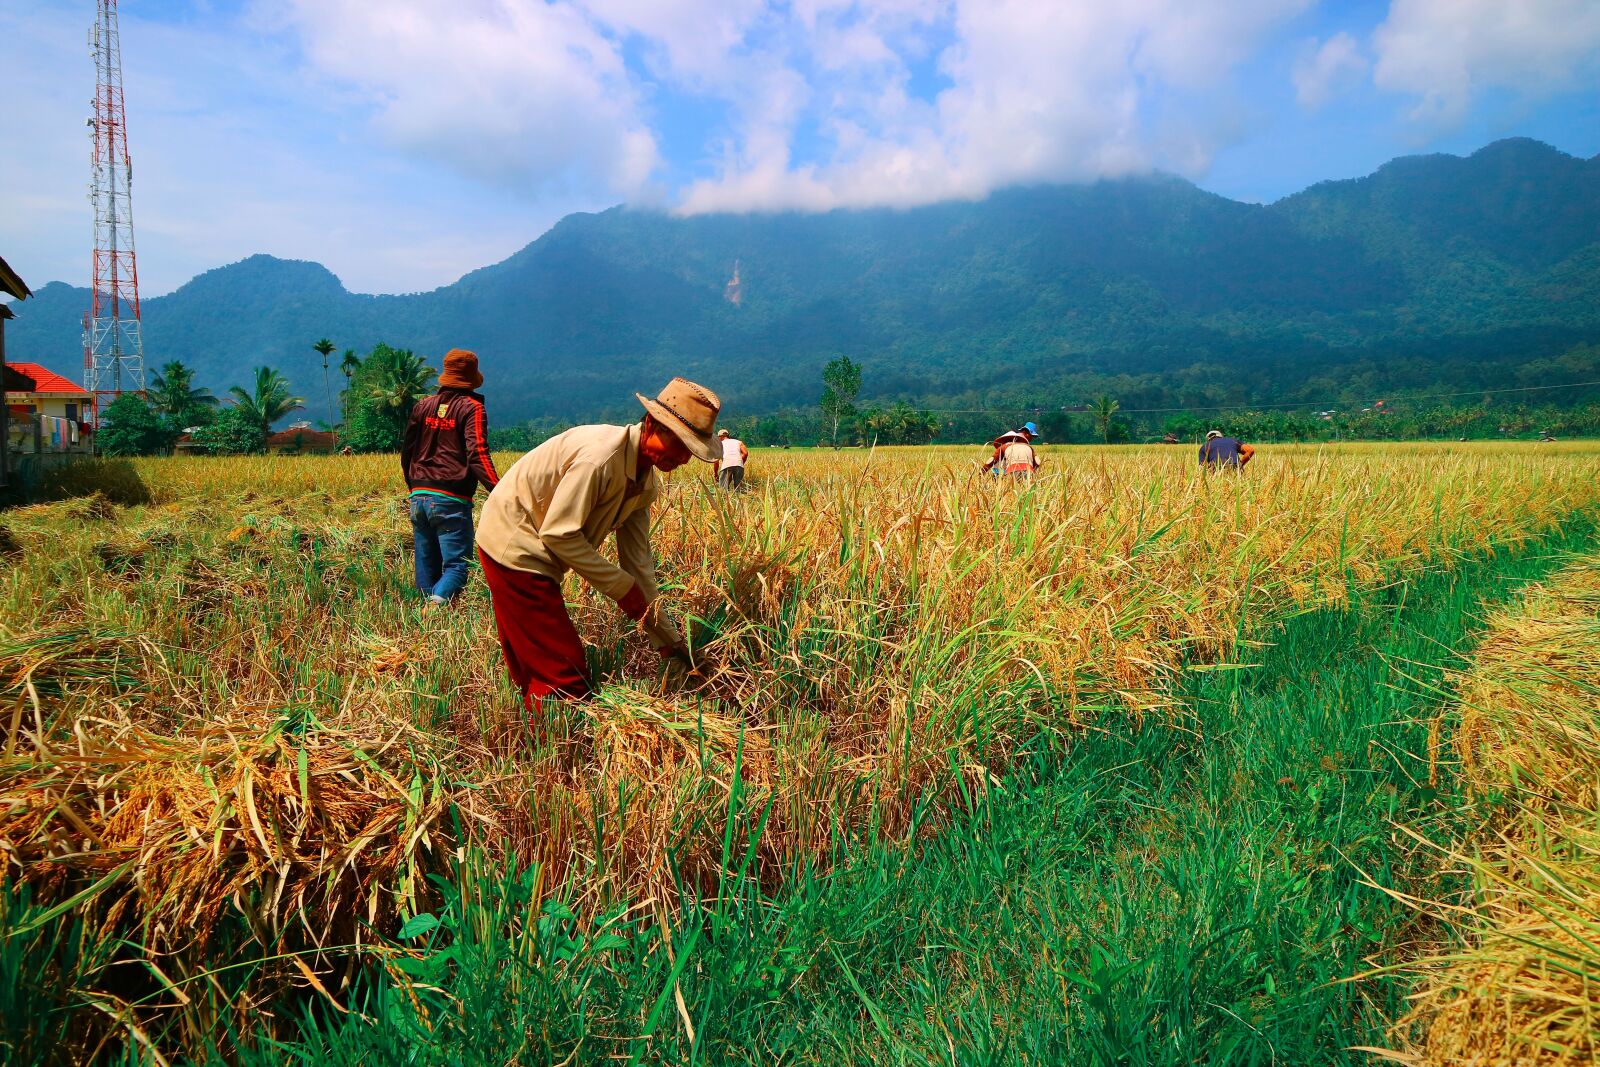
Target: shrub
(132,428)
(235,432)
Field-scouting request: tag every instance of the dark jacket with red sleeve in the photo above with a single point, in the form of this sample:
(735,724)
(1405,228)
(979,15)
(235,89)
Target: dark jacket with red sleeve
(447,445)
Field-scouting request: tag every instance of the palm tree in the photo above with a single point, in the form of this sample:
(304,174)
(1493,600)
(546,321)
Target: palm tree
(173,392)
(269,402)
(401,378)
(1103,409)
(348,367)
(325,348)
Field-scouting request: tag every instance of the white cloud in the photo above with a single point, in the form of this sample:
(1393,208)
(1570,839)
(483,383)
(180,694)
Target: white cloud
(817,94)
(1039,92)
(1328,71)
(234,153)
(1445,52)
(516,92)
(695,40)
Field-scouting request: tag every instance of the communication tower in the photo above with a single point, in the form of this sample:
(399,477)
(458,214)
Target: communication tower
(113,347)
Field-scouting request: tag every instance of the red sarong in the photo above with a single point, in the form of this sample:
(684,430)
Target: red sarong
(543,651)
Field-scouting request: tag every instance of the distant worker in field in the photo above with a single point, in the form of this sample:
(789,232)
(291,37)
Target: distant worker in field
(553,510)
(1014,454)
(1220,451)
(729,467)
(445,458)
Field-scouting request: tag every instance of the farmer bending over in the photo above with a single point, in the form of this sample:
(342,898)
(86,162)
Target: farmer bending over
(445,457)
(551,512)
(1220,451)
(1014,453)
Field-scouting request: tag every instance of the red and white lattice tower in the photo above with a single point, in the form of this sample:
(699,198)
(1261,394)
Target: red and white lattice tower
(113,348)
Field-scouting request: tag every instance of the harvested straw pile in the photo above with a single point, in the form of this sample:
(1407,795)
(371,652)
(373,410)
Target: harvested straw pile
(1526,989)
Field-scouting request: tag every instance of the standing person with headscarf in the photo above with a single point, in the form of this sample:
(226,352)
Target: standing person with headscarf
(1222,451)
(551,513)
(445,458)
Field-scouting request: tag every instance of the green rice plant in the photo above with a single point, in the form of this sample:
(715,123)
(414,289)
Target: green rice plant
(54,964)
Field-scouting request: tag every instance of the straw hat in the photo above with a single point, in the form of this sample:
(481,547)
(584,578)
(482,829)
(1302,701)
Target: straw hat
(690,412)
(460,370)
(1211,434)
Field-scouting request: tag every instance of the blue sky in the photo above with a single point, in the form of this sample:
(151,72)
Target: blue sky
(403,144)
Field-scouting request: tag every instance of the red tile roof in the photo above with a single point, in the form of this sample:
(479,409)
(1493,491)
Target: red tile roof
(48,382)
(305,440)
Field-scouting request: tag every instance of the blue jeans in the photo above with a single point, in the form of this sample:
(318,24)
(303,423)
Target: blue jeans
(442,530)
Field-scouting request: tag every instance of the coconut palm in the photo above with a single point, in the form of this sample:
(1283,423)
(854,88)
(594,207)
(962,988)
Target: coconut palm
(401,378)
(325,347)
(269,401)
(1103,409)
(173,393)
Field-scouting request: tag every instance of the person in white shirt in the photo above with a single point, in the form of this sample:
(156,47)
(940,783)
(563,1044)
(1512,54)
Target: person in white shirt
(730,468)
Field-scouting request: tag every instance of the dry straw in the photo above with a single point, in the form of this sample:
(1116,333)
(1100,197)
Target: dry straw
(1525,987)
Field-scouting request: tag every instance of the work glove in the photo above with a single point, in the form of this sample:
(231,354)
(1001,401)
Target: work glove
(634,605)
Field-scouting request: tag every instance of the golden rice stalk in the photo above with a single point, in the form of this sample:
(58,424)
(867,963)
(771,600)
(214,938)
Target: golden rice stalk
(1525,988)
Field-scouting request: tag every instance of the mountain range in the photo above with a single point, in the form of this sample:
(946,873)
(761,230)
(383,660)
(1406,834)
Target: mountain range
(1433,271)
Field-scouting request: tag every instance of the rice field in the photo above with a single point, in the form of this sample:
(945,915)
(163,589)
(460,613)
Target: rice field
(241,763)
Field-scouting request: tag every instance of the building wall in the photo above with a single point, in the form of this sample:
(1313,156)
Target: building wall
(60,407)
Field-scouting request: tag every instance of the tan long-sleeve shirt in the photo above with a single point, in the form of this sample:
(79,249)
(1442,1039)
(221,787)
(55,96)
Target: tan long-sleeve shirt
(557,504)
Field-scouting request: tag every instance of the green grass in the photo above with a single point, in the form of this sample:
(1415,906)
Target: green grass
(1172,893)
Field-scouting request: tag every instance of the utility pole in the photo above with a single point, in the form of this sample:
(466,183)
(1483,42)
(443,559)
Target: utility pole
(113,347)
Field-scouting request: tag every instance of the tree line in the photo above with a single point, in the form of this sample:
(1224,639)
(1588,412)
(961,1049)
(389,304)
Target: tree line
(380,390)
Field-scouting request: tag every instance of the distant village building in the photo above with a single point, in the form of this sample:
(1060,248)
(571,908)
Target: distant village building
(46,414)
(51,394)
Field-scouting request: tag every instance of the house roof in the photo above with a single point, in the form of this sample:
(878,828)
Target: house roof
(12,284)
(48,382)
(302,438)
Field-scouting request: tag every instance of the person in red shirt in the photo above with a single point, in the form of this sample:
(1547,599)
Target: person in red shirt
(445,458)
